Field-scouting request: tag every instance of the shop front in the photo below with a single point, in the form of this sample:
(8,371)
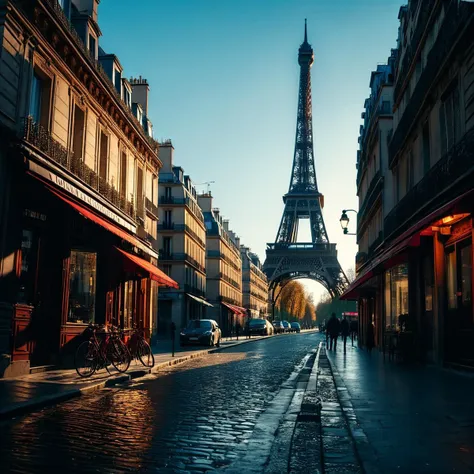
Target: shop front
(75,265)
(232,316)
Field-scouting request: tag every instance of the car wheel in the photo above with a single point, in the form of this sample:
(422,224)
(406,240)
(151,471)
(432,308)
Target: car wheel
(218,344)
(211,341)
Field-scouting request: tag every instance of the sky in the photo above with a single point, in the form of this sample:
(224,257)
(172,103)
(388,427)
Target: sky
(223,78)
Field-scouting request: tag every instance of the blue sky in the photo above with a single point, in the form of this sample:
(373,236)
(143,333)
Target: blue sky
(223,78)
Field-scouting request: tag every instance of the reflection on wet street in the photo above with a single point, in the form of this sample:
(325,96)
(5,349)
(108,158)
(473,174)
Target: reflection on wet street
(195,417)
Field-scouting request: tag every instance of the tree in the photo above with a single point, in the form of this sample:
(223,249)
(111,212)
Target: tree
(351,274)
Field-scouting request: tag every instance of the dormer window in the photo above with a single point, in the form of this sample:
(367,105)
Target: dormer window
(66,6)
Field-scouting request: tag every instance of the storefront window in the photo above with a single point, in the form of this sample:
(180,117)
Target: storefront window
(466,276)
(389,324)
(82,281)
(451,279)
(128,304)
(399,294)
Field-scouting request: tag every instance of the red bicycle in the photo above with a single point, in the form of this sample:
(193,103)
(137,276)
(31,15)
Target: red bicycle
(139,348)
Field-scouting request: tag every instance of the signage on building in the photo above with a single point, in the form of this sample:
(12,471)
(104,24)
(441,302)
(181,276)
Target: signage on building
(77,193)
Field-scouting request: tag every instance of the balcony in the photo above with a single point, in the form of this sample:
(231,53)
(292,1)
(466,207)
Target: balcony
(456,164)
(229,280)
(172,200)
(453,23)
(166,226)
(180,256)
(151,208)
(194,291)
(39,138)
(225,299)
(171,226)
(217,254)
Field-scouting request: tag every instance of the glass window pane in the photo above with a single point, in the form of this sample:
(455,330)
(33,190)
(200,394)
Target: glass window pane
(82,280)
(399,300)
(35,98)
(388,313)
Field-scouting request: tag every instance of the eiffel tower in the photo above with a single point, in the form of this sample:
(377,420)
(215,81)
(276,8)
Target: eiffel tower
(286,259)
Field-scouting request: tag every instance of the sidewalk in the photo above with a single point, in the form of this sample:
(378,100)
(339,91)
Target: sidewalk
(27,393)
(407,418)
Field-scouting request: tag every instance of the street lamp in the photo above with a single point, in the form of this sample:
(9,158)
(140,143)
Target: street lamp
(344,220)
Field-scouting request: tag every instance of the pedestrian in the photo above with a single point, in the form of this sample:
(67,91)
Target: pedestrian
(334,328)
(354,326)
(370,338)
(344,330)
(238,327)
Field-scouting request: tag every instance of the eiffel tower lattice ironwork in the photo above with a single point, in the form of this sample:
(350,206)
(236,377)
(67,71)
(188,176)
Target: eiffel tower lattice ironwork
(286,259)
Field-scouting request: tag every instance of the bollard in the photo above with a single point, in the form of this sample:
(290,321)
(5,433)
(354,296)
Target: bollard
(173,334)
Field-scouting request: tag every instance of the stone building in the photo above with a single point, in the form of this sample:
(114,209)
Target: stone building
(78,186)
(254,285)
(223,269)
(416,285)
(182,244)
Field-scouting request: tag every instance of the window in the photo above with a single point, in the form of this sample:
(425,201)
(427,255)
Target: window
(167,269)
(118,80)
(40,98)
(449,120)
(92,46)
(78,133)
(123,174)
(426,147)
(451,281)
(465,275)
(82,280)
(167,246)
(410,170)
(168,193)
(168,219)
(399,296)
(66,6)
(103,155)
(140,195)
(128,304)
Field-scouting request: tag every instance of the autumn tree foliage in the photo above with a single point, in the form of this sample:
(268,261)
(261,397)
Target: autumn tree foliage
(295,304)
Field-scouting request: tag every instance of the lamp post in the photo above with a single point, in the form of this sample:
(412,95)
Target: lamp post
(344,220)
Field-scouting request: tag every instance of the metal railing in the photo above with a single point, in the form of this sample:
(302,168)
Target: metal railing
(323,247)
(181,256)
(229,280)
(455,164)
(217,254)
(40,138)
(194,291)
(151,207)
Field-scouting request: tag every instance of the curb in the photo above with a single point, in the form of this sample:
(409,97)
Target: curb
(29,406)
(363,450)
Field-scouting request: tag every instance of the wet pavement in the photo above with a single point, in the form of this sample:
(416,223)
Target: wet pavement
(197,417)
(405,418)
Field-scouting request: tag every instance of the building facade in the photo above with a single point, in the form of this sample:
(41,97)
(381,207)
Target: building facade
(223,269)
(78,186)
(254,285)
(182,244)
(417,285)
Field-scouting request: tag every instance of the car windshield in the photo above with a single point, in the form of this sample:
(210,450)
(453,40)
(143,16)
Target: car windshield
(256,322)
(295,324)
(196,324)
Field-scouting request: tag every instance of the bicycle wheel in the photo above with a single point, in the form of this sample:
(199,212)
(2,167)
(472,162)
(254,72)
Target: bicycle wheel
(118,355)
(145,354)
(86,358)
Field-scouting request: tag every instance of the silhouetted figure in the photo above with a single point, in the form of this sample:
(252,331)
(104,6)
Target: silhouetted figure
(238,327)
(370,338)
(334,328)
(354,328)
(344,331)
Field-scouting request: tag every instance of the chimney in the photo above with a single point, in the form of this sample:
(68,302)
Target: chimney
(205,202)
(226,225)
(140,90)
(166,156)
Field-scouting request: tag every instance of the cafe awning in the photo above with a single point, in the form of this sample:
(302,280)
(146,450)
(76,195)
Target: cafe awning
(200,300)
(154,272)
(236,309)
(104,223)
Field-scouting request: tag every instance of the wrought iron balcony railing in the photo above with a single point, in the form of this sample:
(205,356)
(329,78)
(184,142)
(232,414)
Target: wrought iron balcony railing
(194,291)
(217,254)
(180,256)
(457,163)
(37,136)
(151,207)
(228,300)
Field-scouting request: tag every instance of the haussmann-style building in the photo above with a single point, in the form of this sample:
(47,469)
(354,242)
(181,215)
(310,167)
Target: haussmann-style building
(182,244)
(415,277)
(223,269)
(254,285)
(78,186)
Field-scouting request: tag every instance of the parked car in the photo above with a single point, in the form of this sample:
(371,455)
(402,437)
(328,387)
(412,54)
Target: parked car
(201,331)
(295,327)
(259,326)
(278,327)
(286,326)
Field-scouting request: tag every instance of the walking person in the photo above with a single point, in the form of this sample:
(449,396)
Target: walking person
(344,330)
(238,327)
(334,328)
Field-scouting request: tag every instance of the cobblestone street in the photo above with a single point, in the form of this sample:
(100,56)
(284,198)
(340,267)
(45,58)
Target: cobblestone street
(195,417)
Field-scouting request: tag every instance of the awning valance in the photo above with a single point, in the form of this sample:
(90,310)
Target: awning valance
(200,300)
(154,272)
(103,223)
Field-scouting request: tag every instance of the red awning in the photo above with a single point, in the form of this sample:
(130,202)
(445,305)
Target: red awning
(154,272)
(102,222)
(236,309)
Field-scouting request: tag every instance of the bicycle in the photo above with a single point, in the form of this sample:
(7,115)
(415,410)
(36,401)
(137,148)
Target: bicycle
(96,354)
(139,348)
